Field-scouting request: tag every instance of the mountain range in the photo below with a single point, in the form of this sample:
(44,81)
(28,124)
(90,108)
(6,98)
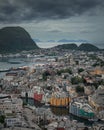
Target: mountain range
(82,47)
(62,40)
(66,40)
(16,39)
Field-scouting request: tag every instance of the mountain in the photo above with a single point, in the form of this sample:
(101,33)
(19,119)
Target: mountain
(82,47)
(68,46)
(65,40)
(15,39)
(51,41)
(87,47)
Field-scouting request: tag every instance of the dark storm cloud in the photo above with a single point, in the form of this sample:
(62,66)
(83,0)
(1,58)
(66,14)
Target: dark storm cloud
(26,10)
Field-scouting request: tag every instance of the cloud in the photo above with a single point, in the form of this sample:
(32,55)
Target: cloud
(54,31)
(12,11)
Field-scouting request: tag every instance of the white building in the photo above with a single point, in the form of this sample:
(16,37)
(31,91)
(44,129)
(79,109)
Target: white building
(13,121)
(13,104)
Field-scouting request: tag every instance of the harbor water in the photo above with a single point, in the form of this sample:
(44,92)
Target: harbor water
(57,111)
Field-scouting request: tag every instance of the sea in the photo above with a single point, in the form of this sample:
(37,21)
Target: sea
(15,62)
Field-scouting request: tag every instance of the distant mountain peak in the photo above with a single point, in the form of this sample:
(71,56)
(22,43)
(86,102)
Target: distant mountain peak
(51,41)
(63,40)
(66,40)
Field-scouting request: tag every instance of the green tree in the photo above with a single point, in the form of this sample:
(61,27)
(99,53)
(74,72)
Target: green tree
(76,80)
(67,70)
(2,119)
(45,74)
(80,70)
(79,89)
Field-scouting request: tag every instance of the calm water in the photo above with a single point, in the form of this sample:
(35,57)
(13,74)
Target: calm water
(7,63)
(58,111)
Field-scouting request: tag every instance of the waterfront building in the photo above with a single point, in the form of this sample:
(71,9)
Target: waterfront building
(36,93)
(81,109)
(60,99)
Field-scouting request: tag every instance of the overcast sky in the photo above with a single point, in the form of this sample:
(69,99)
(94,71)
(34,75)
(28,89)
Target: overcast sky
(56,19)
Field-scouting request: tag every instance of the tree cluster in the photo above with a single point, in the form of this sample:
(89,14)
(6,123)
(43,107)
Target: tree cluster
(2,119)
(76,80)
(68,70)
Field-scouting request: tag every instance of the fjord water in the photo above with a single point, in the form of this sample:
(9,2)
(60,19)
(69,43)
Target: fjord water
(7,63)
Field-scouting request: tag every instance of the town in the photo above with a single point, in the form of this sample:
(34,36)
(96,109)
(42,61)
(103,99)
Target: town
(65,79)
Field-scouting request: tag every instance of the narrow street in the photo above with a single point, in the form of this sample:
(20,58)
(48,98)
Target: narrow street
(30,116)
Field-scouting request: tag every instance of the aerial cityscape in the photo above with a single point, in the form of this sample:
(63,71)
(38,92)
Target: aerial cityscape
(51,65)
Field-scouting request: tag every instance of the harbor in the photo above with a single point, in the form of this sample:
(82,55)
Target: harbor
(54,90)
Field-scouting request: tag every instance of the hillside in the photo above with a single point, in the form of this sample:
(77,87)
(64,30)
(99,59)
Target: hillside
(68,46)
(15,39)
(87,47)
(82,47)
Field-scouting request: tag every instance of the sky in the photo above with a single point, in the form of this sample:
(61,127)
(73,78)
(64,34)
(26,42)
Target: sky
(56,19)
